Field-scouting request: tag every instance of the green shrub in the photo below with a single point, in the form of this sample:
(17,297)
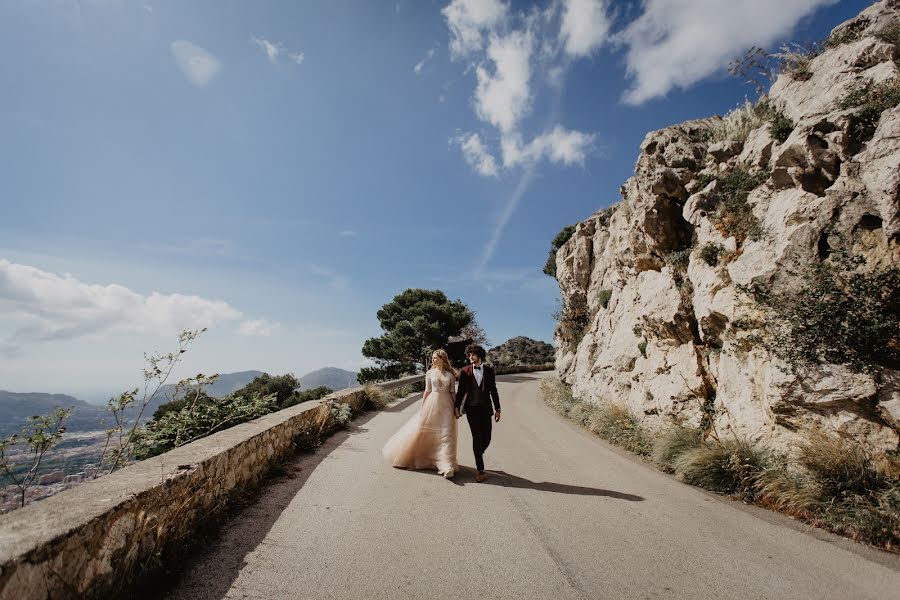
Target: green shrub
(679,259)
(891,35)
(735,216)
(603,297)
(193,421)
(840,315)
(728,467)
(341,415)
(672,444)
(561,238)
(642,348)
(711,252)
(871,100)
(781,127)
(573,319)
(704,179)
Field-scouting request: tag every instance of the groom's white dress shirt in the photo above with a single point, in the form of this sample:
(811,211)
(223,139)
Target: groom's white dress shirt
(479,374)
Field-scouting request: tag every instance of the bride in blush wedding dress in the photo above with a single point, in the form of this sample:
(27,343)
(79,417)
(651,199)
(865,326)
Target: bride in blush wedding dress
(428,439)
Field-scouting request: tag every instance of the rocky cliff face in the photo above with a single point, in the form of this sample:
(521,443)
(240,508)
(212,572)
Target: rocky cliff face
(658,284)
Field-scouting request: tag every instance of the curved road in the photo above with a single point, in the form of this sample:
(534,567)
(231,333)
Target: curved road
(562,515)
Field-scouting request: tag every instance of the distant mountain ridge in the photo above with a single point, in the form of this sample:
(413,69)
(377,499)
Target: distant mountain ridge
(16,407)
(330,377)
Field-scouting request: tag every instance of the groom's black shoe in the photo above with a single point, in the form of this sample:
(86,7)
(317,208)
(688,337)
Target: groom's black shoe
(480,477)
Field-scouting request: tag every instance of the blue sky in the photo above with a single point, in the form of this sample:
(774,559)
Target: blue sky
(277,171)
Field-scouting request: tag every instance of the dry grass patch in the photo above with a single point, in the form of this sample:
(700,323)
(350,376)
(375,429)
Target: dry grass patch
(612,422)
(728,467)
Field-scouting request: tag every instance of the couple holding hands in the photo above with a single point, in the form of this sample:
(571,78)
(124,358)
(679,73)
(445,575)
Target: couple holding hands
(428,439)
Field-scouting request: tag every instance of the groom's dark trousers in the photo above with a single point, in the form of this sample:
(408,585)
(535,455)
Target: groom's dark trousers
(479,418)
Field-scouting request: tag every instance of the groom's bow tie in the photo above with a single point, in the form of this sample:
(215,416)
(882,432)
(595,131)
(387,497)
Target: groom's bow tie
(477,368)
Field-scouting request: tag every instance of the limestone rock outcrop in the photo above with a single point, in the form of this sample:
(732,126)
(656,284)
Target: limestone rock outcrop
(662,278)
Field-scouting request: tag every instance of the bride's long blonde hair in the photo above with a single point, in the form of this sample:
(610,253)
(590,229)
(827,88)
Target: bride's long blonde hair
(446,367)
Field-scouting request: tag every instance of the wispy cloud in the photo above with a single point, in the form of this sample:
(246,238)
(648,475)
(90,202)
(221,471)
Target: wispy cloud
(475,154)
(675,43)
(469,20)
(348,233)
(558,145)
(337,281)
(45,306)
(512,54)
(198,66)
(272,49)
(275,50)
(203,247)
(509,51)
(257,328)
(421,64)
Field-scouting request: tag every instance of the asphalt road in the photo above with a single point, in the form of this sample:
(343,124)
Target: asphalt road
(561,516)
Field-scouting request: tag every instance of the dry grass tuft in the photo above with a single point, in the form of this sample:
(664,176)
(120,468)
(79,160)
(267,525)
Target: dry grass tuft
(672,444)
(728,467)
(375,397)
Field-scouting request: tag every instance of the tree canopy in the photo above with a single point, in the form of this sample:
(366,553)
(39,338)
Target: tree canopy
(561,238)
(415,322)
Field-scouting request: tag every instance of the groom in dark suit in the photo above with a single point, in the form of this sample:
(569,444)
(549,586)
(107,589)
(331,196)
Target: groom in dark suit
(477,389)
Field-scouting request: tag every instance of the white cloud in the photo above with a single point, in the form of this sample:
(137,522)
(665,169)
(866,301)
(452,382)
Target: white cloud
(199,66)
(348,233)
(559,145)
(275,50)
(502,97)
(476,155)
(272,49)
(421,64)
(676,43)
(44,306)
(468,20)
(257,328)
(338,282)
(585,26)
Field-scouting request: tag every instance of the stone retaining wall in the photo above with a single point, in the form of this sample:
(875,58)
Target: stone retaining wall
(94,540)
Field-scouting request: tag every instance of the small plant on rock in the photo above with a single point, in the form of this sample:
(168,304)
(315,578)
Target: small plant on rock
(711,252)
(603,297)
(735,216)
(573,319)
(843,314)
(870,100)
(561,238)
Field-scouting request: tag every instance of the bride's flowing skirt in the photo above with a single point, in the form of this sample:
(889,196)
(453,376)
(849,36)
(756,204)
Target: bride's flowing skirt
(428,439)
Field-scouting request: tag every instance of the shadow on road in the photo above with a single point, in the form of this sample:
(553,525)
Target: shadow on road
(502,478)
(244,527)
